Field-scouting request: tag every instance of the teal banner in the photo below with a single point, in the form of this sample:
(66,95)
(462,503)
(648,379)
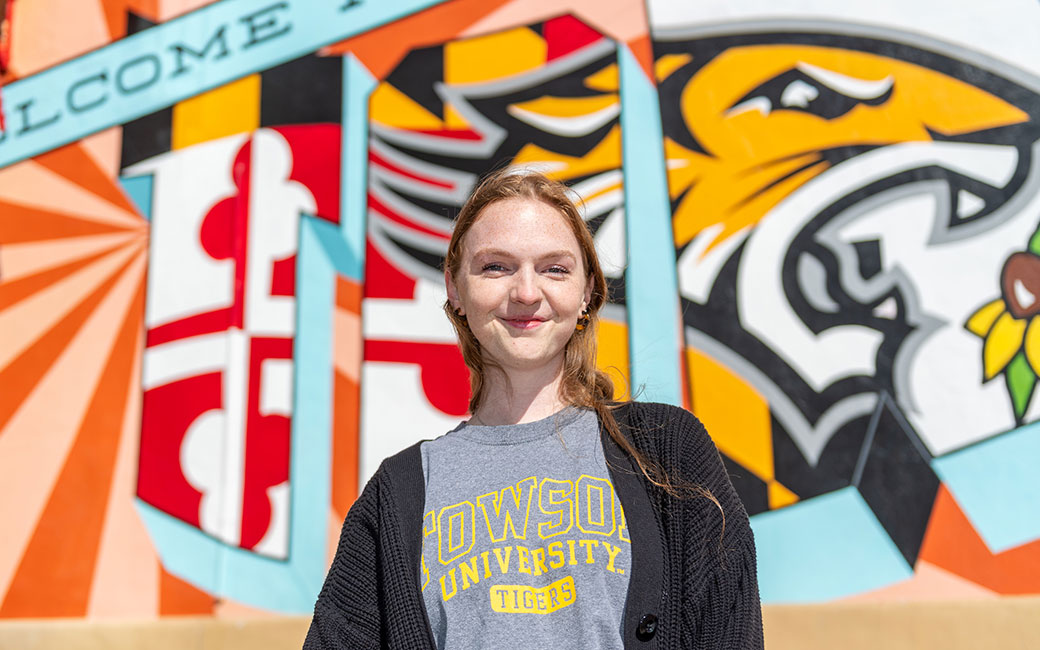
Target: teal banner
(175,60)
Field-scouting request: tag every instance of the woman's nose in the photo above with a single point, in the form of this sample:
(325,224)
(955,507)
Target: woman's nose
(525,287)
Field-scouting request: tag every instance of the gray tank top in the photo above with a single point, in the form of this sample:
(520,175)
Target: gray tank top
(524,541)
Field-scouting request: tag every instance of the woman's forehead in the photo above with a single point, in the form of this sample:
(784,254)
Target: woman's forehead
(519,223)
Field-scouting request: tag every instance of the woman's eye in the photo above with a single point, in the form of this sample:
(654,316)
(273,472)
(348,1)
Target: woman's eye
(558,269)
(493,267)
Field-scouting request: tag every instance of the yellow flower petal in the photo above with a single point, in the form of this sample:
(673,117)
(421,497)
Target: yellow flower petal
(1032,344)
(981,321)
(1002,344)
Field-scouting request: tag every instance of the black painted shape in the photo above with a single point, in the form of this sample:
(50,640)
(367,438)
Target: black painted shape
(136,23)
(896,480)
(831,472)
(307,90)
(146,136)
(752,490)
(416,76)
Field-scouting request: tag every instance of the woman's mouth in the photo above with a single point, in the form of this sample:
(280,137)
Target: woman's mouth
(523,323)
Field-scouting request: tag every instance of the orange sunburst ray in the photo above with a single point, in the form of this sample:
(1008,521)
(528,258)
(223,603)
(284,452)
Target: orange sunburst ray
(36,439)
(14,290)
(41,586)
(75,164)
(21,223)
(31,184)
(43,325)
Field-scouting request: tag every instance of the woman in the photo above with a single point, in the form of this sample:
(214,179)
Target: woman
(553,517)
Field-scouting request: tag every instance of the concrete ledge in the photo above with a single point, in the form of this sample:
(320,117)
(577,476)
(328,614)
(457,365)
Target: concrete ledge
(1006,623)
(173,633)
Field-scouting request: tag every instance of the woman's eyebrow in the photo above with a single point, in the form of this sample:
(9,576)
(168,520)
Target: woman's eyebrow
(501,252)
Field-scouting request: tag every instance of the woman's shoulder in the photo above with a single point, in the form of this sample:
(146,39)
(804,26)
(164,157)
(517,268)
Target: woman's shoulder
(669,433)
(658,419)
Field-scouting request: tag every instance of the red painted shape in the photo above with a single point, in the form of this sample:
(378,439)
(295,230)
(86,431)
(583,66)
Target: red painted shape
(378,206)
(283,277)
(223,236)
(454,134)
(383,279)
(316,163)
(267,444)
(215,231)
(566,34)
(445,377)
(168,411)
(194,325)
(376,159)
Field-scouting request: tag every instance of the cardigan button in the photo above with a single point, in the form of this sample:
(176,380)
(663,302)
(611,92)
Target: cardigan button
(647,627)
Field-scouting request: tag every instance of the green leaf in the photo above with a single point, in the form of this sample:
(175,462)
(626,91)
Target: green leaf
(1034,243)
(1021,380)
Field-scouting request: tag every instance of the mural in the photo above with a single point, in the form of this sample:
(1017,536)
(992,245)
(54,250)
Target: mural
(222,224)
(881,188)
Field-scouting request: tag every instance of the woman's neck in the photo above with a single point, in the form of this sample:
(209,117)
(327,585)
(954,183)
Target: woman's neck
(527,396)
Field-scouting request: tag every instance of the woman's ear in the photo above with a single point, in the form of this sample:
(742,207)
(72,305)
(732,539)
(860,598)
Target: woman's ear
(453,292)
(588,293)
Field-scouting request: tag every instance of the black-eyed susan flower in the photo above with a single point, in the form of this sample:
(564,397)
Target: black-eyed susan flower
(1010,330)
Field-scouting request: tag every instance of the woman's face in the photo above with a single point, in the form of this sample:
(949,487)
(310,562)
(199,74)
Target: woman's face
(521,283)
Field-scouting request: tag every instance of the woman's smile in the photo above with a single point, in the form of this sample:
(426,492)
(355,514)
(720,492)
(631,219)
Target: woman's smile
(523,323)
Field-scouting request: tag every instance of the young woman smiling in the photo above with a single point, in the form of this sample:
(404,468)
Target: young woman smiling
(554,516)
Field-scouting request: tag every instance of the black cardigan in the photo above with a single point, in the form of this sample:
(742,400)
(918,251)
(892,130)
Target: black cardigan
(693,578)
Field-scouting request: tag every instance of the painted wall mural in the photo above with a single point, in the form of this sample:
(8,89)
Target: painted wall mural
(222,223)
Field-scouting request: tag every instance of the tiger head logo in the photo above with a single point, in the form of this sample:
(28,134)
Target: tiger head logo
(843,206)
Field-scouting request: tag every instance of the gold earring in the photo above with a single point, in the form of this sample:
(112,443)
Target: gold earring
(458,312)
(583,321)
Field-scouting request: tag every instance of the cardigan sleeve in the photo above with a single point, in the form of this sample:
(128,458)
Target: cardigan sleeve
(346,614)
(723,605)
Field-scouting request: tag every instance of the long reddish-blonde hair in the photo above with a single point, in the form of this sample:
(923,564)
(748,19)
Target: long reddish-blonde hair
(582,384)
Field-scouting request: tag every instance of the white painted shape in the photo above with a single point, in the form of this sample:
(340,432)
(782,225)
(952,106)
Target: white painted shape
(1024,296)
(570,126)
(798,93)
(993,163)
(697,269)
(758,103)
(598,183)
(1003,29)
(846,85)
(421,319)
(610,244)
(394,413)
(275,542)
(968,203)
(276,387)
(604,202)
(236,395)
(202,461)
(887,308)
(183,358)
(275,205)
(183,279)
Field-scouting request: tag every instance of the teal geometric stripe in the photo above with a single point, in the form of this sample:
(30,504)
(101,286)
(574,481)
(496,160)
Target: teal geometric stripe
(824,548)
(175,60)
(651,284)
(358,85)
